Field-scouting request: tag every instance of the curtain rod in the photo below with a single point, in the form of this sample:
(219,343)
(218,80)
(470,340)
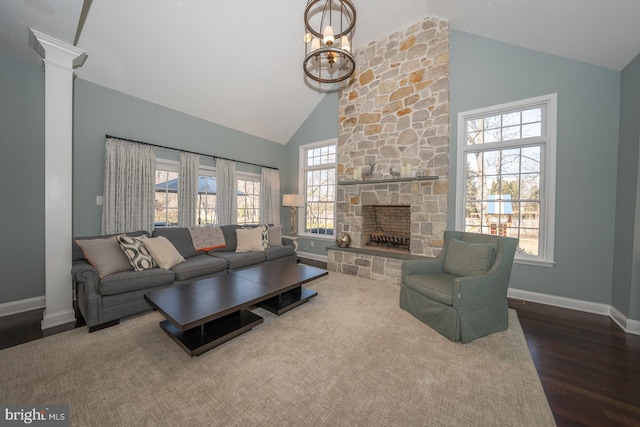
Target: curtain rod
(187,151)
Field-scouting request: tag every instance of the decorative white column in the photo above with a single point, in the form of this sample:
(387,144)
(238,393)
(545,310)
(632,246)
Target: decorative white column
(59,60)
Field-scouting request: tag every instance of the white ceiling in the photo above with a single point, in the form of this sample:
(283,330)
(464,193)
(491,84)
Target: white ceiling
(239,64)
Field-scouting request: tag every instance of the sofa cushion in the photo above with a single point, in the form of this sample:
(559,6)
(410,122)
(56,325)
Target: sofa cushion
(252,239)
(438,286)
(197,266)
(277,252)
(468,259)
(133,280)
(236,260)
(105,255)
(180,238)
(163,252)
(138,255)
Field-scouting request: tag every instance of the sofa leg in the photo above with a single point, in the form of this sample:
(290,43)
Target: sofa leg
(104,325)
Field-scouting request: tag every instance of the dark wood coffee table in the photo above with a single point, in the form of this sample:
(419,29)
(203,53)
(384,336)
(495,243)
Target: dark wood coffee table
(206,313)
(286,279)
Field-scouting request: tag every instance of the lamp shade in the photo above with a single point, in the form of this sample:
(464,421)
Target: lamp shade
(292,200)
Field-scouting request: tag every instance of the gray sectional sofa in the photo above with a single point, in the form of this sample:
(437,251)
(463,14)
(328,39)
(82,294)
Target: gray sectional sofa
(104,301)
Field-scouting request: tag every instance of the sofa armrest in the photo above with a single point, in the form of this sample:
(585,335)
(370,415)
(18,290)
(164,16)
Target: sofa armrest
(85,279)
(290,241)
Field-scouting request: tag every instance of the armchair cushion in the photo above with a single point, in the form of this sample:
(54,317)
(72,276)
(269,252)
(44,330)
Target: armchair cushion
(437,286)
(468,259)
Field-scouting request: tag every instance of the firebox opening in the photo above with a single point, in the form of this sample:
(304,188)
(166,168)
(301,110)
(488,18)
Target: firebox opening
(387,226)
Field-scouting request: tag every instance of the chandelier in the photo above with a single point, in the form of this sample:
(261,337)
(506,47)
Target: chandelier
(328,27)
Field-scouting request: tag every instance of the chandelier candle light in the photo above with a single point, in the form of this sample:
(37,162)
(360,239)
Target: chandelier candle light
(293,201)
(328,28)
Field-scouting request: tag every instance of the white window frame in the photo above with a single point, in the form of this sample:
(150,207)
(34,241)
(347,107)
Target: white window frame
(302,214)
(547,141)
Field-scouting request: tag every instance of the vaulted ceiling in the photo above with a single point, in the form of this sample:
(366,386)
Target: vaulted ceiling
(239,63)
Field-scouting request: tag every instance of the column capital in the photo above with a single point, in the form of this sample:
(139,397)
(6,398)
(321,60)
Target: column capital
(56,51)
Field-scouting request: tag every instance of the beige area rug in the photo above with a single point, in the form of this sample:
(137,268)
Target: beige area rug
(349,357)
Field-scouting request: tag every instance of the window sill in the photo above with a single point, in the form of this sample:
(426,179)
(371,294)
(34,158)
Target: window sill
(317,236)
(537,263)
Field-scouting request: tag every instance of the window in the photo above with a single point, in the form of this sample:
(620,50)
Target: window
(318,175)
(166,202)
(506,174)
(248,199)
(206,212)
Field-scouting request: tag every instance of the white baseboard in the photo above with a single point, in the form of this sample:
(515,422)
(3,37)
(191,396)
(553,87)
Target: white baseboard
(315,257)
(574,304)
(633,327)
(16,307)
(57,319)
(629,326)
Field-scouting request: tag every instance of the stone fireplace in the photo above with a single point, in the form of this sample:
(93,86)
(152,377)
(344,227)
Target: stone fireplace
(393,147)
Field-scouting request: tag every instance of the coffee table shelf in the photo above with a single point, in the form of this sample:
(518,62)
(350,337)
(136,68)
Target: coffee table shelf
(287,300)
(200,339)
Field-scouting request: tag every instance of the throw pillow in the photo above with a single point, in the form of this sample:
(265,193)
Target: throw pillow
(139,257)
(275,235)
(468,259)
(252,239)
(207,238)
(105,255)
(163,252)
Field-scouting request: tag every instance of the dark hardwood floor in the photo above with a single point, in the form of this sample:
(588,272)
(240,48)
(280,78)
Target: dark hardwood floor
(589,368)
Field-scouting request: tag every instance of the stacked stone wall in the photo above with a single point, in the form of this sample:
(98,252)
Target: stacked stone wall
(394,116)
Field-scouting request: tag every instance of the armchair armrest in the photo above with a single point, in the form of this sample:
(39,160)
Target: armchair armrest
(481,290)
(423,266)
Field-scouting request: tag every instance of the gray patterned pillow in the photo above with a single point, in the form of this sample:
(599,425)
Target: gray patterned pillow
(138,255)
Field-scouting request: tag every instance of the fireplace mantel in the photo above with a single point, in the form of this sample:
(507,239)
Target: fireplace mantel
(384,181)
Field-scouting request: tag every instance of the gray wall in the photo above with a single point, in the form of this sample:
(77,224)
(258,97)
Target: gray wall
(21,180)
(322,124)
(485,72)
(99,111)
(626,277)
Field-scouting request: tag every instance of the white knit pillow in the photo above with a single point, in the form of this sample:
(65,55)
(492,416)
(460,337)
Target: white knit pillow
(252,239)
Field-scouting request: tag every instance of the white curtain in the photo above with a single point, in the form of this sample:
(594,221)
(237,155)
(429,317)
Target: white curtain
(226,192)
(270,196)
(129,186)
(188,189)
